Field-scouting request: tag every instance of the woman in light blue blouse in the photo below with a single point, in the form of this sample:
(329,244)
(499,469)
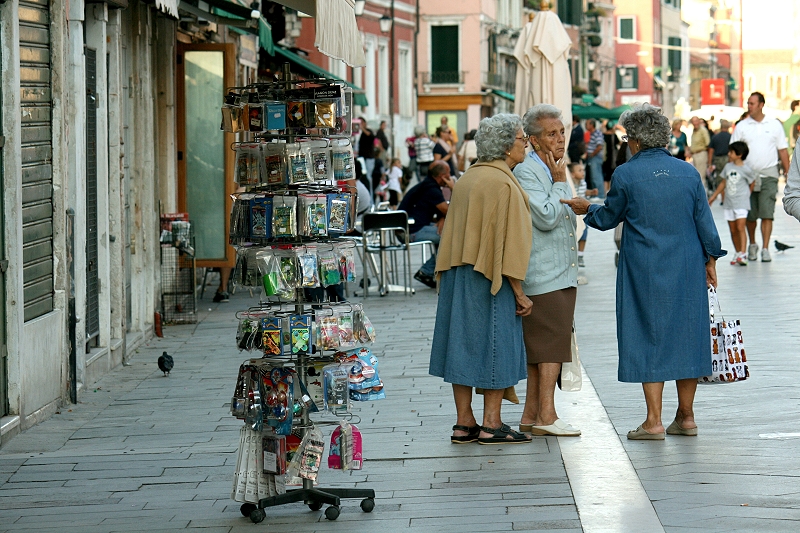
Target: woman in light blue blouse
(552,278)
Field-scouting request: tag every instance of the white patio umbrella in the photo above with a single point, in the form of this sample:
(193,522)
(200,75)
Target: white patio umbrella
(543,75)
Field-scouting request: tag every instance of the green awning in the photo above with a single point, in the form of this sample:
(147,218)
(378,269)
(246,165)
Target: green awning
(503,94)
(594,111)
(264,35)
(310,69)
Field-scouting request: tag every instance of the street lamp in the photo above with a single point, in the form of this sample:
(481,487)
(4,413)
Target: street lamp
(386,23)
(359,7)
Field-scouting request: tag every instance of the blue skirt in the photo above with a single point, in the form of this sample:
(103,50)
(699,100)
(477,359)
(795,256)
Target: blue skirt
(477,339)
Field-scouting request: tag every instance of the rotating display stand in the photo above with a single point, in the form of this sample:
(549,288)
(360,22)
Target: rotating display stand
(297,150)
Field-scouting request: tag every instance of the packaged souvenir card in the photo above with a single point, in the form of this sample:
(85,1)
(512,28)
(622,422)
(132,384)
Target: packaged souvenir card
(276,116)
(364,331)
(347,337)
(300,328)
(325,113)
(284,216)
(247,169)
(271,336)
(297,115)
(328,268)
(240,219)
(231,119)
(255,117)
(329,332)
(342,162)
(346,451)
(308,268)
(338,212)
(273,165)
(311,453)
(319,156)
(289,279)
(274,447)
(335,387)
(260,218)
(314,215)
(246,334)
(298,164)
(347,263)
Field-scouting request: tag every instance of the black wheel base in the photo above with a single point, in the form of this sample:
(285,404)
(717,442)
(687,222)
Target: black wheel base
(247,508)
(257,515)
(315,506)
(367,505)
(332,512)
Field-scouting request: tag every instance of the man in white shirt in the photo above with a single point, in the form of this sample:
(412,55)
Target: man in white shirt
(767,143)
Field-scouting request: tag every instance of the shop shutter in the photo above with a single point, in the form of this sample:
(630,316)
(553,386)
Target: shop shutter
(37,149)
(92,279)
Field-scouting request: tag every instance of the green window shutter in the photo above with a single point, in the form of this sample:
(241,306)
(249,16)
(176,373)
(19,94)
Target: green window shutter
(570,11)
(674,57)
(444,54)
(626,28)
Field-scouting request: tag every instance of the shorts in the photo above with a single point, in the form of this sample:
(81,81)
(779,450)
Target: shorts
(735,214)
(762,203)
(584,234)
(394,197)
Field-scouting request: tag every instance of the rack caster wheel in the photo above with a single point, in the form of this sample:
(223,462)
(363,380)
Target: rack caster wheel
(367,505)
(257,515)
(332,512)
(315,506)
(247,508)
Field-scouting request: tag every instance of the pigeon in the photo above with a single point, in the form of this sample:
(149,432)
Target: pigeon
(782,247)
(165,363)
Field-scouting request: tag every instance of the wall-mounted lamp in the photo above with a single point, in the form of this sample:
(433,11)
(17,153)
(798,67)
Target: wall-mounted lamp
(591,65)
(623,71)
(386,23)
(359,7)
(255,13)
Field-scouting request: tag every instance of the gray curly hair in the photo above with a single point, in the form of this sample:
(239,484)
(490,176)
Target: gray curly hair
(533,116)
(646,124)
(496,135)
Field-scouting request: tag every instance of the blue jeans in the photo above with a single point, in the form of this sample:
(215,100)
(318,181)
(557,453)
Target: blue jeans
(596,166)
(428,233)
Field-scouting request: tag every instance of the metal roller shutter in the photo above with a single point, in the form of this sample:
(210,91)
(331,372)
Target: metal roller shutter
(92,281)
(37,149)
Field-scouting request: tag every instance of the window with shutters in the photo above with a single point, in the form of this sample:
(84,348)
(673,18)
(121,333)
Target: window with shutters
(570,11)
(627,77)
(445,55)
(626,30)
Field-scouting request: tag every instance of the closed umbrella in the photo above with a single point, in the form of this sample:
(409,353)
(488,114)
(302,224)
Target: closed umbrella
(543,76)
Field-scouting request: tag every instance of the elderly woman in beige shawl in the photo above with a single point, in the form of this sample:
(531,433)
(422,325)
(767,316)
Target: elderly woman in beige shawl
(483,256)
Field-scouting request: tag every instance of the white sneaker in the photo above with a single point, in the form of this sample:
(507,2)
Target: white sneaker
(765,257)
(752,252)
(583,280)
(581,262)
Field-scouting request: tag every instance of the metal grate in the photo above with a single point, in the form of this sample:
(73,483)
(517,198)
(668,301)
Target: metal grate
(92,280)
(37,168)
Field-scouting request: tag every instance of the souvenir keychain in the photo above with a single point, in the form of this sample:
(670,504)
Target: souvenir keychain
(300,328)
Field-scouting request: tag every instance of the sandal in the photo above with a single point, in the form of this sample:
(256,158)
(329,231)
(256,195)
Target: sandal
(500,436)
(471,436)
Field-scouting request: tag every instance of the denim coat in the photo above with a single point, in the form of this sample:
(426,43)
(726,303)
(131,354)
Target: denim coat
(669,234)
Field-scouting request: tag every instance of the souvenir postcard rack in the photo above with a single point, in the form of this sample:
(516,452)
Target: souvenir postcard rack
(288,227)
(178,286)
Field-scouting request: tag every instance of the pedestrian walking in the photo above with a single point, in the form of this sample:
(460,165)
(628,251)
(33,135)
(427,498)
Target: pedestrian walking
(577,174)
(668,256)
(482,260)
(718,151)
(366,149)
(594,156)
(737,182)
(768,147)
(699,147)
(678,141)
(551,281)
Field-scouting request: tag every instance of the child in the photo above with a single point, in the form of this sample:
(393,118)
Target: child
(737,181)
(394,175)
(578,174)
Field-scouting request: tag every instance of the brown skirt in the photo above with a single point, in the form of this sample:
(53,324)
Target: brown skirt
(548,329)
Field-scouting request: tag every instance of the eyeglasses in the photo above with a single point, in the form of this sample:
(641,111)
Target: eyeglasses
(520,138)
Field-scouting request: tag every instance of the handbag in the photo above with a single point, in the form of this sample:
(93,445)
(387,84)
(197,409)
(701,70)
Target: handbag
(728,357)
(570,379)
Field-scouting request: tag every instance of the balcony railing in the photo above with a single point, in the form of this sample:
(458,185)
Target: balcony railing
(501,82)
(443,77)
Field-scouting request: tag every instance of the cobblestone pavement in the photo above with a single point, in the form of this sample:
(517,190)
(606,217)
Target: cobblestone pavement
(143,452)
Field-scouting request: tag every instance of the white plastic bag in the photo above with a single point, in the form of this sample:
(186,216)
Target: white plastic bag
(570,379)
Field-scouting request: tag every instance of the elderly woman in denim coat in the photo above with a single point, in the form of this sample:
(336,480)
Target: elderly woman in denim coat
(668,258)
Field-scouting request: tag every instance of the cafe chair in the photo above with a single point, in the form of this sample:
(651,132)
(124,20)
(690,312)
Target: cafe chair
(380,232)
